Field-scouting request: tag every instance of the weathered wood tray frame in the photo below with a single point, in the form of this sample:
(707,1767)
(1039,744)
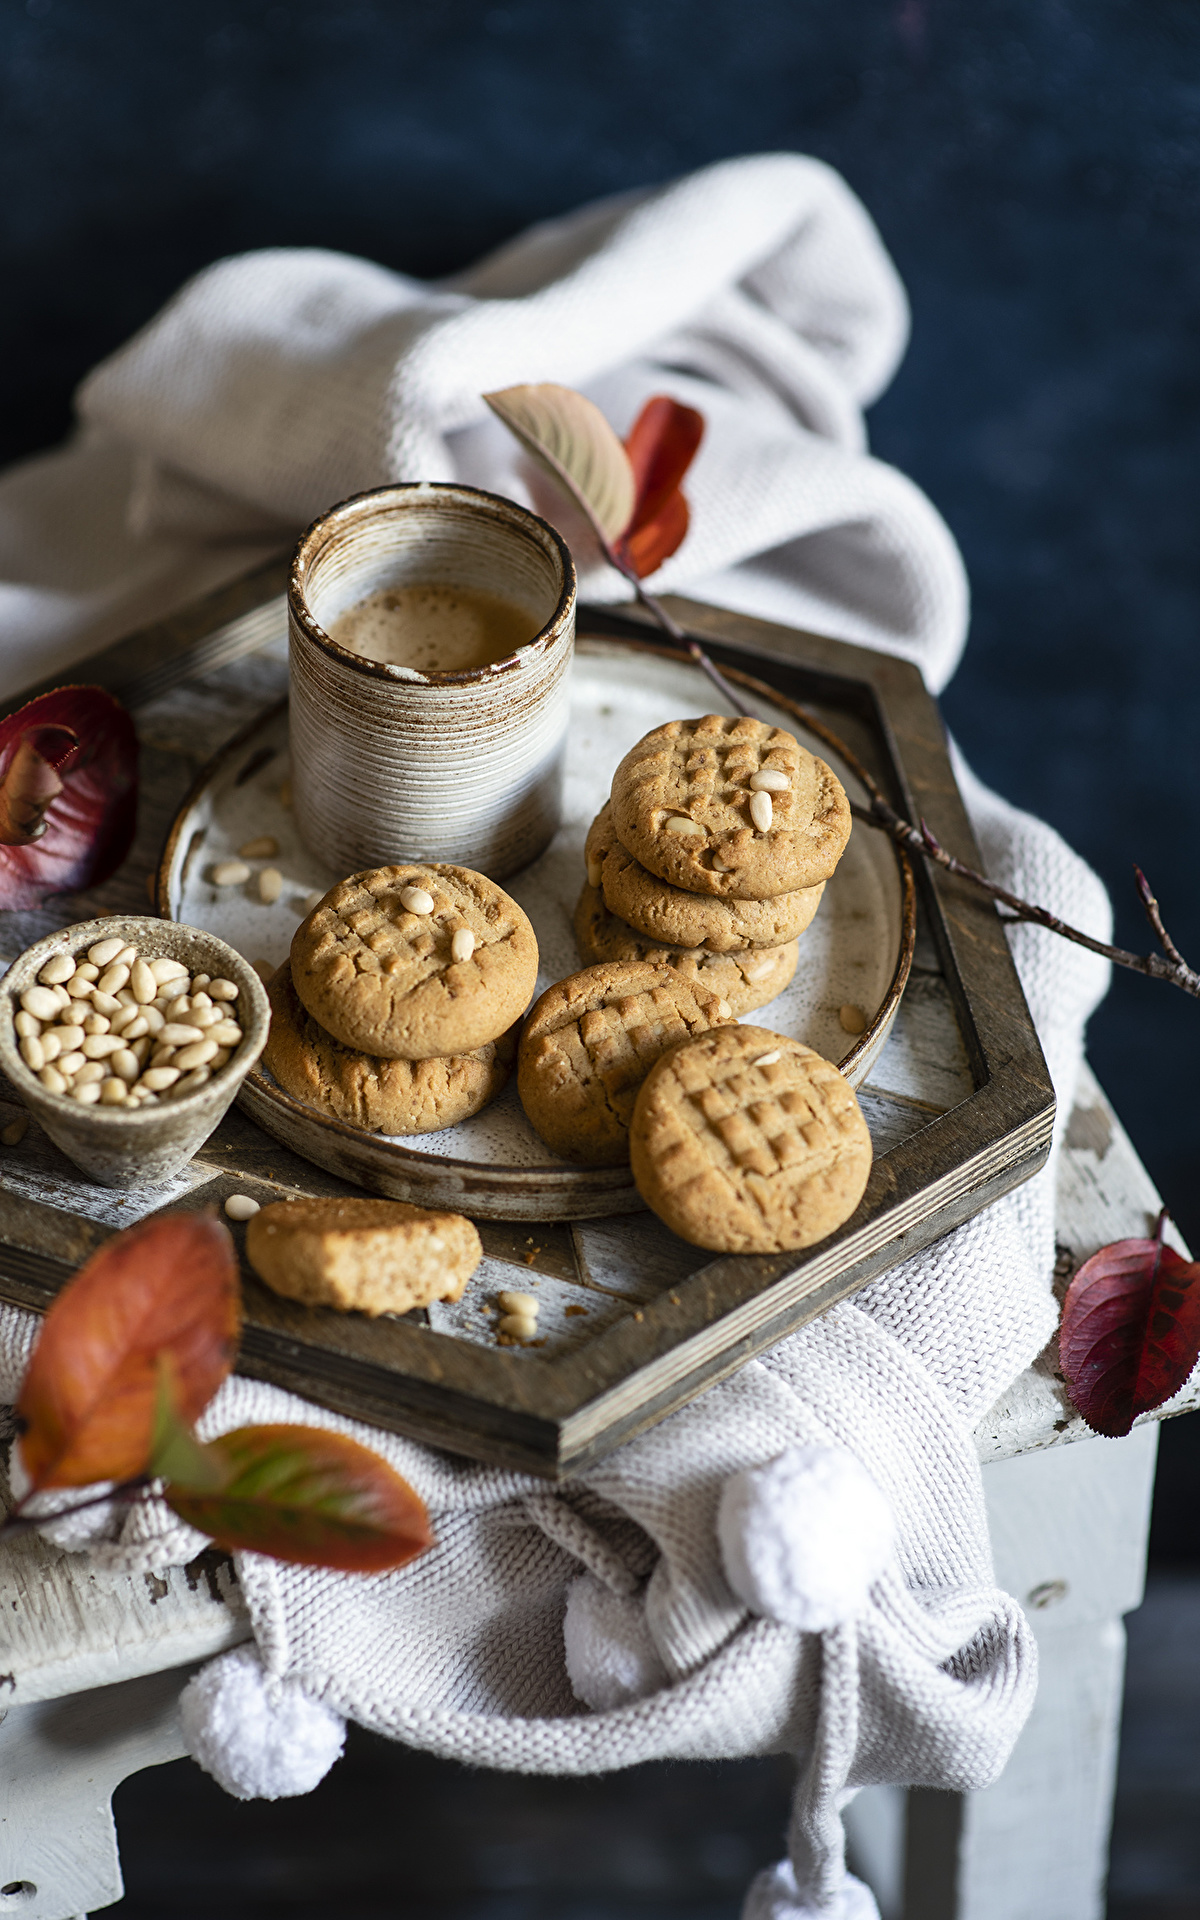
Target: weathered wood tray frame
(553,1414)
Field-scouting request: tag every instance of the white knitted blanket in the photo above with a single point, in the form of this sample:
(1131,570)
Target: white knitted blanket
(687,1597)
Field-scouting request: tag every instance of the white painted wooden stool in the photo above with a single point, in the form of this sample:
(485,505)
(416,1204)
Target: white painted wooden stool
(103,1657)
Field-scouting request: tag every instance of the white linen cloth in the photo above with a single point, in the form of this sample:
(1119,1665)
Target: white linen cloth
(273,385)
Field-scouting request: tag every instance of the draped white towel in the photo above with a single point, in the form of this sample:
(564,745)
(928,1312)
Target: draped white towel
(274,384)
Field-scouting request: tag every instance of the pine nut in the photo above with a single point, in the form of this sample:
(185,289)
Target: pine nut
(51,1044)
(27,1024)
(240,1206)
(79,987)
(518,1326)
(768,1059)
(127,956)
(164,970)
(163,1056)
(222,990)
(852,1019)
(264,848)
(230,873)
(40,1002)
(52,1080)
(90,1074)
(155,1021)
(86,971)
(96,1023)
(197,1056)
(311,901)
(199,980)
(112,1093)
(159,1078)
(718,865)
(680,823)
(33,1054)
(70,1063)
(125,1064)
(143,983)
(87,1092)
(200,999)
(126,997)
(265,969)
(762,811)
(112,979)
(205,1017)
(16,1130)
(98,1046)
(177,1008)
(141,1050)
(595,871)
(58,968)
(190,1082)
(104,952)
(462,946)
(62,996)
(69,1038)
(770,780)
(416,899)
(178,1034)
(104,1002)
(126,1018)
(270,885)
(724,1010)
(509,1302)
(226,1033)
(220,1057)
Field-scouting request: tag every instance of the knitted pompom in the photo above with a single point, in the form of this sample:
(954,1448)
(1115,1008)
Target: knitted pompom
(260,1739)
(803,1537)
(611,1658)
(773,1895)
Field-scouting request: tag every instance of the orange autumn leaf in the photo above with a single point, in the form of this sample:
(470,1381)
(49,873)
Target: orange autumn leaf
(307,1495)
(662,444)
(90,1395)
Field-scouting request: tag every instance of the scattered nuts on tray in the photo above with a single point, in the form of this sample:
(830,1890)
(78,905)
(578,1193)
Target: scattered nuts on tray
(117,1030)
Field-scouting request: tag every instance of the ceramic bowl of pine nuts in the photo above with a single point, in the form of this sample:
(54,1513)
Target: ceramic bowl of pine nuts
(128,1038)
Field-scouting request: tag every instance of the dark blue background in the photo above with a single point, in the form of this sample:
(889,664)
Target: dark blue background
(1034,166)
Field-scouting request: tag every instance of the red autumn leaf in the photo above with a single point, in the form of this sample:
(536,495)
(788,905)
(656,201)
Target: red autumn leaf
(1130,1332)
(90,1396)
(308,1495)
(661,446)
(68,793)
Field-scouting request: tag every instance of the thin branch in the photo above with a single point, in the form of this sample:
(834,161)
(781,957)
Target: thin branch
(672,627)
(16,1522)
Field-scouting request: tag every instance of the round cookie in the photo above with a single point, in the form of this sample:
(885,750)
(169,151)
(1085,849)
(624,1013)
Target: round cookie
(384,1096)
(676,918)
(746,1142)
(589,1043)
(377,970)
(683,805)
(746,980)
(364,1256)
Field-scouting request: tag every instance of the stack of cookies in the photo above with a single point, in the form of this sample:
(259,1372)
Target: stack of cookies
(711,856)
(704,866)
(395,1009)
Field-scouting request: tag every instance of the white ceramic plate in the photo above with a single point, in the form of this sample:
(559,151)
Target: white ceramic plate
(857,950)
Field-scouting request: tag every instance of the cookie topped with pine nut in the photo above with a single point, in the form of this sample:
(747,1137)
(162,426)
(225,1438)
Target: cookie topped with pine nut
(383,1096)
(589,1043)
(409,962)
(747,980)
(734,808)
(746,1142)
(677,918)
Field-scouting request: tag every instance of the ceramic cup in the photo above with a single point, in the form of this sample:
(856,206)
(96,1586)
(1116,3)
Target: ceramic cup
(146,1147)
(391,765)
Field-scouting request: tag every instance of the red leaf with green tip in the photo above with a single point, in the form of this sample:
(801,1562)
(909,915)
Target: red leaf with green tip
(661,446)
(1130,1333)
(91,1392)
(308,1495)
(68,794)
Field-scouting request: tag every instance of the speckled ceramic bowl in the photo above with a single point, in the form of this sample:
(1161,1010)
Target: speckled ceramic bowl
(145,1147)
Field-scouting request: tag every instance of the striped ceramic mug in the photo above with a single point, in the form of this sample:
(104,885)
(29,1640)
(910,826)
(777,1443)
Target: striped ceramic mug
(390,764)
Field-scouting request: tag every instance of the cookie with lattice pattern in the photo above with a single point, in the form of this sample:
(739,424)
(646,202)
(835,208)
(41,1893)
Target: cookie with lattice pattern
(735,808)
(747,980)
(675,918)
(746,1142)
(589,1043)
(384,1096)
(411,962)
